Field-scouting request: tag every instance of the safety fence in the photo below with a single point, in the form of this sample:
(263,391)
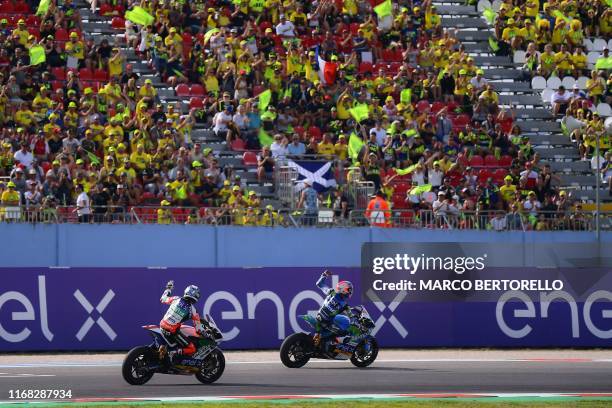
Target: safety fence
(325,217)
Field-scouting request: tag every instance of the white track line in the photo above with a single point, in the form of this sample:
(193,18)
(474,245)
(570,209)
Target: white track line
(275,362)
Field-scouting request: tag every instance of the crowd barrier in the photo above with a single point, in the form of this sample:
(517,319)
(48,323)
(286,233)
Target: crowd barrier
(104,309)
(464,220)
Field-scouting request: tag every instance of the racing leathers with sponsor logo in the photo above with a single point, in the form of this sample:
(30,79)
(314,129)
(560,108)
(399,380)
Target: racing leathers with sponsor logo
(181,309)
(335,303)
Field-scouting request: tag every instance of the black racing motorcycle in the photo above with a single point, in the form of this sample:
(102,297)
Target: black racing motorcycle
(207,363)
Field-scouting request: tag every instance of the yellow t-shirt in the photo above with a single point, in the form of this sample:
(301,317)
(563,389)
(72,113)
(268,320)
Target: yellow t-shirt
(76,49)
(10,197)
(326,148)
(508,192)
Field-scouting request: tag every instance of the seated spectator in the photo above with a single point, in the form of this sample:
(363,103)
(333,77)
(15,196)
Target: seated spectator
(560,100)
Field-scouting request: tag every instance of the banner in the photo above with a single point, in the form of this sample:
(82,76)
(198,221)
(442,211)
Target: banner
(104,309)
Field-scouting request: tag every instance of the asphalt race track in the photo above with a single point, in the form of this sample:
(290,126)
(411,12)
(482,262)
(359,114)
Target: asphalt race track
(261,374)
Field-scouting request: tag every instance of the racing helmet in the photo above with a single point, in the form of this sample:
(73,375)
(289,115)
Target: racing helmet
(192,293)
(344,288)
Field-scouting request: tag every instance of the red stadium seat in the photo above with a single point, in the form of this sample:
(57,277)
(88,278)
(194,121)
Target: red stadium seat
(118,23)
(182,90)
(22,8)
(7,8)
(423,106)
(498,176)
(299,130)
(32,21)
(59,73)
(180,216)
(483,175)
(490,161)
(437,106)
(476,161)
(249,159)
(197,90)
(196,103)
(86,74)
(61,35)
(238,145)
(401,188)
(505,161)
(100,75)
(106,9)
(315,132)
(399,201)
(365,67)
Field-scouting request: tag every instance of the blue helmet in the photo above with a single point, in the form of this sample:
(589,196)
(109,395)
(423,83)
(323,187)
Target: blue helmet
(192,293)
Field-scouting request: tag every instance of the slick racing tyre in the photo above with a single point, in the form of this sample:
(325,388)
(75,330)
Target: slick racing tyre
(295,350)
(212,367)
(361,356)
(135,367)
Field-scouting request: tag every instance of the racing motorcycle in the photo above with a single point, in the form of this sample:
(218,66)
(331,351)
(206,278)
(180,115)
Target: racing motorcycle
(207,363)
(356,343)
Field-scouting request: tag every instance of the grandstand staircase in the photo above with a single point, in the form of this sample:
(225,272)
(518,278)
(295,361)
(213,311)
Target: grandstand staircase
(532,115)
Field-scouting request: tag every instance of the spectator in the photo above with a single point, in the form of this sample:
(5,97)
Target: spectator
(560,100)
(83,205)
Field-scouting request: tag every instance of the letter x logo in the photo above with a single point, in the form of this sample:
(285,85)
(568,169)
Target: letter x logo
(100,321)
(392,306)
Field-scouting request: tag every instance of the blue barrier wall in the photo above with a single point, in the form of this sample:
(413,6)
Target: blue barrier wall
(73,245)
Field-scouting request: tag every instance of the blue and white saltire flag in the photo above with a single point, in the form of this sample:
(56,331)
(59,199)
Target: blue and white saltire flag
(319,173)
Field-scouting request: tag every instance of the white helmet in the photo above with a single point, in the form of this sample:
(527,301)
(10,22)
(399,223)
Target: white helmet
(192,292)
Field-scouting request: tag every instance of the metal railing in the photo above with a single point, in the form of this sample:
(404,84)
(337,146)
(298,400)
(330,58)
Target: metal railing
(572,220)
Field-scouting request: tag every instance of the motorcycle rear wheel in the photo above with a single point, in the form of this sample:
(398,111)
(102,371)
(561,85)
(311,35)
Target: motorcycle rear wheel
(362,358)
(212,367)
(135,366)
(295,349)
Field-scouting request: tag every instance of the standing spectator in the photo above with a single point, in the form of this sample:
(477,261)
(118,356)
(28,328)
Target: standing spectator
(309,201)
(83,206)
(499,222)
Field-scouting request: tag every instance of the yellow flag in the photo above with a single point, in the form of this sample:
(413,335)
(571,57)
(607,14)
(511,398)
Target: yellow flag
(140,16)
(37,55)
(407,170)
(359,112)
(354,146)
(209,34)
(264,99)
(384,9)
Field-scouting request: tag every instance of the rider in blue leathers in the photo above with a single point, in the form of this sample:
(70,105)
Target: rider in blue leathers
(335,303)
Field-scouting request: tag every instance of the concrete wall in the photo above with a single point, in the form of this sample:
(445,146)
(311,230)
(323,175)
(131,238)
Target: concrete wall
(74,245)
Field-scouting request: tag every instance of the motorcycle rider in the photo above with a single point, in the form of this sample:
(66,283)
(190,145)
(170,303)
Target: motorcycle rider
(181,309)
(335,303)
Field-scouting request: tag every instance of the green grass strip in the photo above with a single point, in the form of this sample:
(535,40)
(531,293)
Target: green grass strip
(485,402)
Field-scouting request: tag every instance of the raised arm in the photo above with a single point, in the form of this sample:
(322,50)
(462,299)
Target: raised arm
(321,284)
(166,298)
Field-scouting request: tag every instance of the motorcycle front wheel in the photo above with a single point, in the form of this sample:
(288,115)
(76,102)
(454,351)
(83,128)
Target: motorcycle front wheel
(363,356)
(135,367)
(295,350)
(212,367)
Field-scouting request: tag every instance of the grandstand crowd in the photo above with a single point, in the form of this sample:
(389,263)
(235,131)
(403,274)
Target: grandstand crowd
(84,132)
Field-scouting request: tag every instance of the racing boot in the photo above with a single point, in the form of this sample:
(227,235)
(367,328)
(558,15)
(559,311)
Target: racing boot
(316,340)
(163,352)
